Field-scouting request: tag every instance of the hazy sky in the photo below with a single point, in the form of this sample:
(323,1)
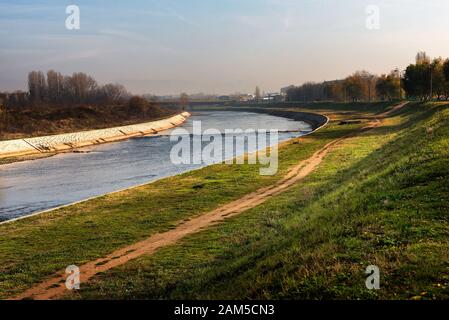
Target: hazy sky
(216,46)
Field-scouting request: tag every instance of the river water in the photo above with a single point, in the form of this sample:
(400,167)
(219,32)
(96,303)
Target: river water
(32,186)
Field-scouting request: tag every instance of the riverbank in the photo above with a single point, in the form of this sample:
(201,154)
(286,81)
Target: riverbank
(312,241)
(161,199)
(375,199)
(36,186)
(24,148)
(315,120)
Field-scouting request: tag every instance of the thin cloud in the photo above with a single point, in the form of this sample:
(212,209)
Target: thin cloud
(169,14)
(135,37)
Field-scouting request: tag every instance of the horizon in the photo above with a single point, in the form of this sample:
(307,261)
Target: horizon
(168,47)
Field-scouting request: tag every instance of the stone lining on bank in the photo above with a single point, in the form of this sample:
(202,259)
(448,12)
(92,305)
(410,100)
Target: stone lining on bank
(68,141)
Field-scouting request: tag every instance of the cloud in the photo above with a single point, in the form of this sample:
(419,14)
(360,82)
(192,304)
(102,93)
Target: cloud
(136,37)
(169,14)
(127,35)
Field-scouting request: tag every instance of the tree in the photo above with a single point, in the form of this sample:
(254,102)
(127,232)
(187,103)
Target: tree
(311,91)
(79,88)
(138,105)
(368,81)
(83,86)
(353,86)
(416,81)
(422,58)
(184,100)
(426,78)
(334,90)
(112,93)
(3,119)
(37,86)
(388,87)
(438,80)
(54,85)
(257,94)
(382,87)
(446,69)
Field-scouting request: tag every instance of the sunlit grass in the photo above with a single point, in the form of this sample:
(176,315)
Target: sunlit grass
(380,198)
(35,247)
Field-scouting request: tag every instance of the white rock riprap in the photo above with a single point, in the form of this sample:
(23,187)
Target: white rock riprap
(66,141)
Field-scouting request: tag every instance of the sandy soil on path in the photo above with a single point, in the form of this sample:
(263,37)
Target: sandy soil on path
(54,287)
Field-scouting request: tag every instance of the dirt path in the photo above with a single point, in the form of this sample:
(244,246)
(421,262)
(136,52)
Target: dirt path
(55,286)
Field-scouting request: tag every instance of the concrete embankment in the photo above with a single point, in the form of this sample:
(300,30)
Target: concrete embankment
(67,141)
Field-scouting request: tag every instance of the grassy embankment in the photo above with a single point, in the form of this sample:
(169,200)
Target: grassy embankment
(39,246)
(379,198)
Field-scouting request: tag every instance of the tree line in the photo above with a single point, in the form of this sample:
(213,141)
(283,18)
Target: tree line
(60,99)
(55,89)
(426,79)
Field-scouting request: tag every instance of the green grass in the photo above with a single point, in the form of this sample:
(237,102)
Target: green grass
(39,246)
(380,198)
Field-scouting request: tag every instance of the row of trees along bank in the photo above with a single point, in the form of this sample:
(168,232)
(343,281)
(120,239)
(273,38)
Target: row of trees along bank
(425,80)
(56,89)
(57,98)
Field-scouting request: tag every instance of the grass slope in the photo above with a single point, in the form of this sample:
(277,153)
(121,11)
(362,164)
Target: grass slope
(36,247)
(380,198)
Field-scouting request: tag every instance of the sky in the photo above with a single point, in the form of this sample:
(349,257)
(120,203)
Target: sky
(216,46)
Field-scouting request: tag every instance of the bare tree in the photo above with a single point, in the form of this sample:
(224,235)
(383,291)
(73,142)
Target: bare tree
(84,87)
(54,85)
(113,93)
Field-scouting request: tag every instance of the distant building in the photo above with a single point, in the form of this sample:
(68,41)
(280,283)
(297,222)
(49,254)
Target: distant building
(246,97)
(273,97)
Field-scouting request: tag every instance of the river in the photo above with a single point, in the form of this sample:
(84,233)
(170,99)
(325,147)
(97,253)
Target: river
(33,186)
